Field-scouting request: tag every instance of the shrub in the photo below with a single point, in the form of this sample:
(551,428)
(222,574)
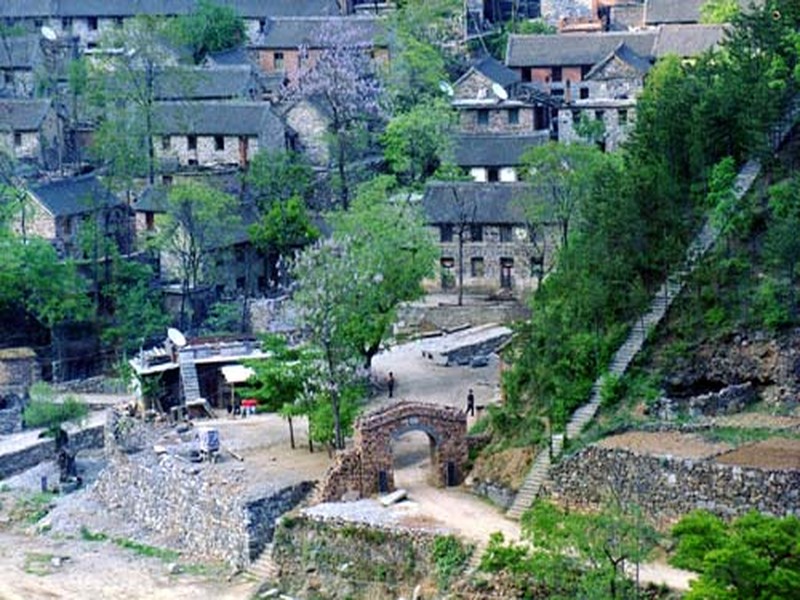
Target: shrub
(44,411)
(450,557)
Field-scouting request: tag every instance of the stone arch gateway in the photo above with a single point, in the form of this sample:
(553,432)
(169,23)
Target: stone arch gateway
(367,467)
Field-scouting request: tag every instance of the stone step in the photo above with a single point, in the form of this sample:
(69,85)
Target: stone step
(264,567)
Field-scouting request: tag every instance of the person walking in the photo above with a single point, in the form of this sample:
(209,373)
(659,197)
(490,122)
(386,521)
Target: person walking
(471,403)
(390,384)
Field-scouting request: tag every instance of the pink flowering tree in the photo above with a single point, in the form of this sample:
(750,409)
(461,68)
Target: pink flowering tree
(343,81)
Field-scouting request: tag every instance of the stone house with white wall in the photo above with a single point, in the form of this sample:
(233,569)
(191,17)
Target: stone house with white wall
(60,210)
(29,131)
(19,58)
(214,134)
(495,158)
(502,252)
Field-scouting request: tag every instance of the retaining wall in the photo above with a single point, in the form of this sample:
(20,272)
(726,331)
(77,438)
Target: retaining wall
(666,488)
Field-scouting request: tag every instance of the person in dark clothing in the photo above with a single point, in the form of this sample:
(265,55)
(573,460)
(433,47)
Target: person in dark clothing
(390,384)
(471,403)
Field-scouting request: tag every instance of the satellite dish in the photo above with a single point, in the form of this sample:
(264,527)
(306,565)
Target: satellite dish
(446,88)
(48,33)
(499,91)
(176,337)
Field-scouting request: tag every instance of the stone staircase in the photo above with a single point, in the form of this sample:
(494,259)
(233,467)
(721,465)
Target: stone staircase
(623,357)
(264,567)
(189,381)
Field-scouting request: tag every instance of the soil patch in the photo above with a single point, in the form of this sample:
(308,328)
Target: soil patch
(671,443)
(508,468)
(776,453)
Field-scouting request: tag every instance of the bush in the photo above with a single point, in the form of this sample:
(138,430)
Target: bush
(44,411)
(696,534)
(450,557)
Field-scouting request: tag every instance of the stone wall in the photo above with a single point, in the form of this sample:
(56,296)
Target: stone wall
(423,317)
(205,510)
(667,488)
(44,449)
(337,559)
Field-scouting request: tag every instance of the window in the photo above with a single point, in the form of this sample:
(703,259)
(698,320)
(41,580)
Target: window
(165,142)
(556,74)
(92,23)
(476,268)
(17,139)
(67,225)
(446,233)
(557,92)
(279,61)
(38,23)
(118,22)
(576,116)
(622,116)
(506,273)
(506,233)
(513,116)
(492,174)
(448,278)
(262,25)
(219,143)
(8,77)
(476,233)
(166,179)
(584,93)
(526,75)
(599,114)
(66,22)
(537,269)
(191,142)
(483,117)
(585,70)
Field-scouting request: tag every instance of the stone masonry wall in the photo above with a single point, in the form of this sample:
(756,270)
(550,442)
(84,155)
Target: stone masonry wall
(205,510)
(337,559)
(45,449)
(666,488)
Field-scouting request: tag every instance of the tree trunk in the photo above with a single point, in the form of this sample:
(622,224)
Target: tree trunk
(461,266)
(291,432)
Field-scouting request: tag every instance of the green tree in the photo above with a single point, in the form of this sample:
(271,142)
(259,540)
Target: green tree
(392,249)
(782,247)
(719,11)
(210,28)
(199,222)
(417,142)
(562,177)
(755,557)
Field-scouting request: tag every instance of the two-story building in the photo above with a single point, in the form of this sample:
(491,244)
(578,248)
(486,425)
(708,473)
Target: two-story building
(485,237)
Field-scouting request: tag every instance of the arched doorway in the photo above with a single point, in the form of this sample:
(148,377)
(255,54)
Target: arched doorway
(414,459)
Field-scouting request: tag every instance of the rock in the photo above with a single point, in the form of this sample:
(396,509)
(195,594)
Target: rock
(57,561)
(479,361)
(417,595)
(270,593)
(393,498)
(173,568)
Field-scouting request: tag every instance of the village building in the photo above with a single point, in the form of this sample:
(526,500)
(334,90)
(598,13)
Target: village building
(66,210)
(287,45)
(213,134)
(485,237)
(30,131)
(19,57)
(495,158)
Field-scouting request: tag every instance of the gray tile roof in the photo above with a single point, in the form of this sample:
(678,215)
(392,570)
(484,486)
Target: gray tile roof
(497,71)
(574,48)
(672,11)
(311,32)
(486,203)
(221,118)
(626,55)
(229,58)
(687,40)
(127,8)
(75,195)
(22,115)
(492,150)
(20,52)
(204,83)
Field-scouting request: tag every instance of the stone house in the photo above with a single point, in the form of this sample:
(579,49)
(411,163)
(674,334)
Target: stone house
(220,82)
(60,211)
(19,57)
(608,93)
(309,120)
(212,134)
(687,41)
(490,98)
(501,251)
(29,131)
(288,44)
(660,12)
(493,158)
(561,62)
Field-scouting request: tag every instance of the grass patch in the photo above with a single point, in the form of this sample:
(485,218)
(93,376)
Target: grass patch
(89,536)
(146,550)
(33,508)
(37,563)
(737,436)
